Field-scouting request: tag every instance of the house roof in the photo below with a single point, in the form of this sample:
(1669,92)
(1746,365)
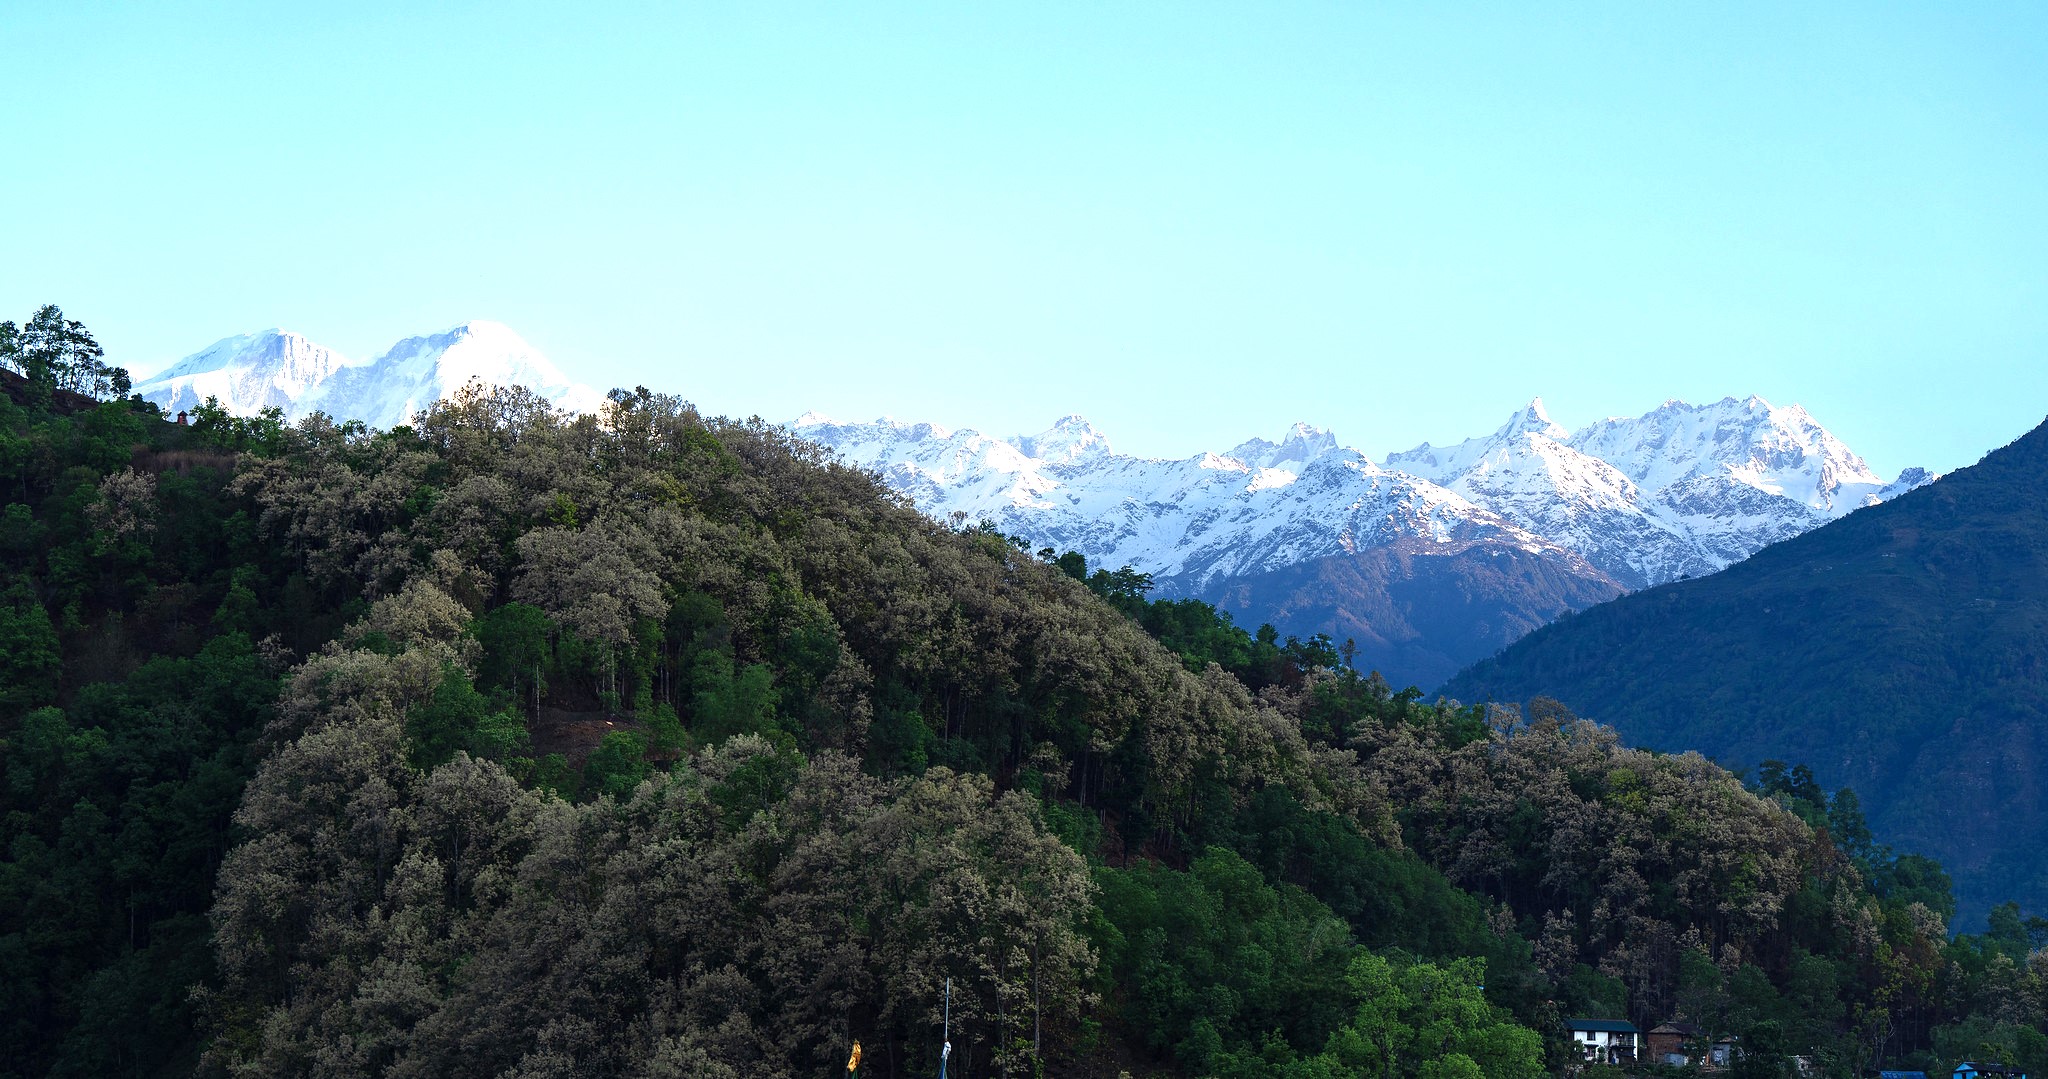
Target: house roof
(1611,1026)
(1677,1027)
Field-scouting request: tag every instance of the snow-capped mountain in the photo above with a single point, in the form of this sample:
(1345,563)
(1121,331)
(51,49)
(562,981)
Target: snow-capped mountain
(1683,490)
(1528,472)
(1260,506)
(253,371)
(1429,559)
(284,370)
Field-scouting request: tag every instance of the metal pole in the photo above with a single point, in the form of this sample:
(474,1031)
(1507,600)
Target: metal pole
(946,1050)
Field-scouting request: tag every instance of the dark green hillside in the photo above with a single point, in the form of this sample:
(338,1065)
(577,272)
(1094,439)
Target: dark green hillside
(143,626)
(651,744)
(1902,650)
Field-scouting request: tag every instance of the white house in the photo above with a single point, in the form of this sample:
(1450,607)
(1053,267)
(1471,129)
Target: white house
(1605,1041)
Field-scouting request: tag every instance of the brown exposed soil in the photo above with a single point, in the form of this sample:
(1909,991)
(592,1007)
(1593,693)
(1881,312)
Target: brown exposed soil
(62,402)
(158,462)
(575,734)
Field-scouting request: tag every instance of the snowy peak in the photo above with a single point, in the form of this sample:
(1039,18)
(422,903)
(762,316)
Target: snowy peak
(1263,506)
(418,371)
(1305,443)
(1682,490)
(286,371)
(1533,419)
(1525,471)
(1528,434)
(489,351)
(1301,444)
(819,427)
(1779,451)
(1071,440)
(247,372)
(295,357)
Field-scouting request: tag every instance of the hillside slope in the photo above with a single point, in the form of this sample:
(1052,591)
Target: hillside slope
(1902,650)
(518,743)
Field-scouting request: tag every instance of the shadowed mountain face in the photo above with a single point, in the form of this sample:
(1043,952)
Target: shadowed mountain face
(1419,611)
(1902,651)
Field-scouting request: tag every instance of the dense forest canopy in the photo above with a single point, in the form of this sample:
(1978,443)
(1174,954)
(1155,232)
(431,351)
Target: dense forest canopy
(509,742)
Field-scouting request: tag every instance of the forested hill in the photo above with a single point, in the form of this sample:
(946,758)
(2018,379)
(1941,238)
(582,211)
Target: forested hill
(652,744)
(1902,650)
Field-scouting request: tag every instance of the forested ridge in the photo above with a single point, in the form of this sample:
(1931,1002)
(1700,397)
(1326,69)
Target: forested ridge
(655,744)
(1897,651)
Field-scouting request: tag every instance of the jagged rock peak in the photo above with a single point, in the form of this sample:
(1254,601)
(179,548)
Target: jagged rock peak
(1782,451)
(246,372)
(922,431)
(1303,442)
(280,369)
(1309,439)
(1070,439)
(278,345)
(1682,490)
(1533,419)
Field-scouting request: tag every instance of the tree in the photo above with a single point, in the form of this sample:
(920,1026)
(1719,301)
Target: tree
(598,581)
(1124,588)
(515,652)
(1702,995)
(54,352)
(1422,1021)
(617,765)
(729,702)
(30,658)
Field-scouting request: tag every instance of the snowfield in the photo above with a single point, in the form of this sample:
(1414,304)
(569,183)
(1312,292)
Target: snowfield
(1680,491)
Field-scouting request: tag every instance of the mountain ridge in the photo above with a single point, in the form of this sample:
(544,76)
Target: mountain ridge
(1894,650)
(1622,504)
(278,368)
(1662,508)
(1257,529)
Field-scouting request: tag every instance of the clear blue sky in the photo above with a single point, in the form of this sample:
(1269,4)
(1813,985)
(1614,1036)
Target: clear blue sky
(1191,222)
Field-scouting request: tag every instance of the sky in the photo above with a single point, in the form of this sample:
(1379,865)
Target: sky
(1190,222)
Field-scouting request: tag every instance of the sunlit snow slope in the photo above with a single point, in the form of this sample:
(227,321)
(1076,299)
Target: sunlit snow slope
(284,370)
(1680,491)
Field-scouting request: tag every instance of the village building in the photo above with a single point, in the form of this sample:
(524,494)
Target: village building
(1681,1044)
(1605,1041)
(1970,1070)
(1674,1043)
